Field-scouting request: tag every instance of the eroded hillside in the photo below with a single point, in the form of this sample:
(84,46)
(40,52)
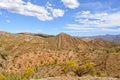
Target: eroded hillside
(48,56)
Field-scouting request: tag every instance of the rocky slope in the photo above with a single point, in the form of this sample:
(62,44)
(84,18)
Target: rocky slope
(66,41)
(19,52)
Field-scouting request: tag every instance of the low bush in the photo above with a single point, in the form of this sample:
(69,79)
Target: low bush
(69,66)
(88,68)
(28,72)
(2,77)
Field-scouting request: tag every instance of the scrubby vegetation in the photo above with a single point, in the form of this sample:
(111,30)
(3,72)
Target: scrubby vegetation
(70,66)
(2,77)
(3,54)
(82,69)
(25,56)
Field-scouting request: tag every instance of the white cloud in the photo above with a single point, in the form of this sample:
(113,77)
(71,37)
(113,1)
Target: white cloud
(87,28)
(28,9)
(58,13)
(78,27)
(111,30)
(72,4)
(98,19)
(87,21)
(55,12)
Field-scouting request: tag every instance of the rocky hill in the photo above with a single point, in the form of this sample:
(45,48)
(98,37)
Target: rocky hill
(65,41)
(34,56)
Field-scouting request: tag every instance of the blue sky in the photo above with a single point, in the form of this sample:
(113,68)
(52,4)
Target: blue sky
(75,17)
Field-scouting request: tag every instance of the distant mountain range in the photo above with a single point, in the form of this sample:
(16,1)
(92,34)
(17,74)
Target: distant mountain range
(107,37)
(112,38)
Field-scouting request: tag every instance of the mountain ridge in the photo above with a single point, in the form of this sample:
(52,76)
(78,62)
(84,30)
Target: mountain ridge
(108,37)
(19,52)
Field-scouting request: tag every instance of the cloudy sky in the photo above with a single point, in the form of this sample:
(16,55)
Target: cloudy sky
(75,17)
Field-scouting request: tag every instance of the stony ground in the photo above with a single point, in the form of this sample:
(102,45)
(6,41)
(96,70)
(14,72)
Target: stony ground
(77,78)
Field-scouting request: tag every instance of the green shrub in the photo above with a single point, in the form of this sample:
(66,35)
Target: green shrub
(99,73)
(3,53)
(13,76)
(69,66)
(1,43)
(28,72)
(2,77)
(87,68)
